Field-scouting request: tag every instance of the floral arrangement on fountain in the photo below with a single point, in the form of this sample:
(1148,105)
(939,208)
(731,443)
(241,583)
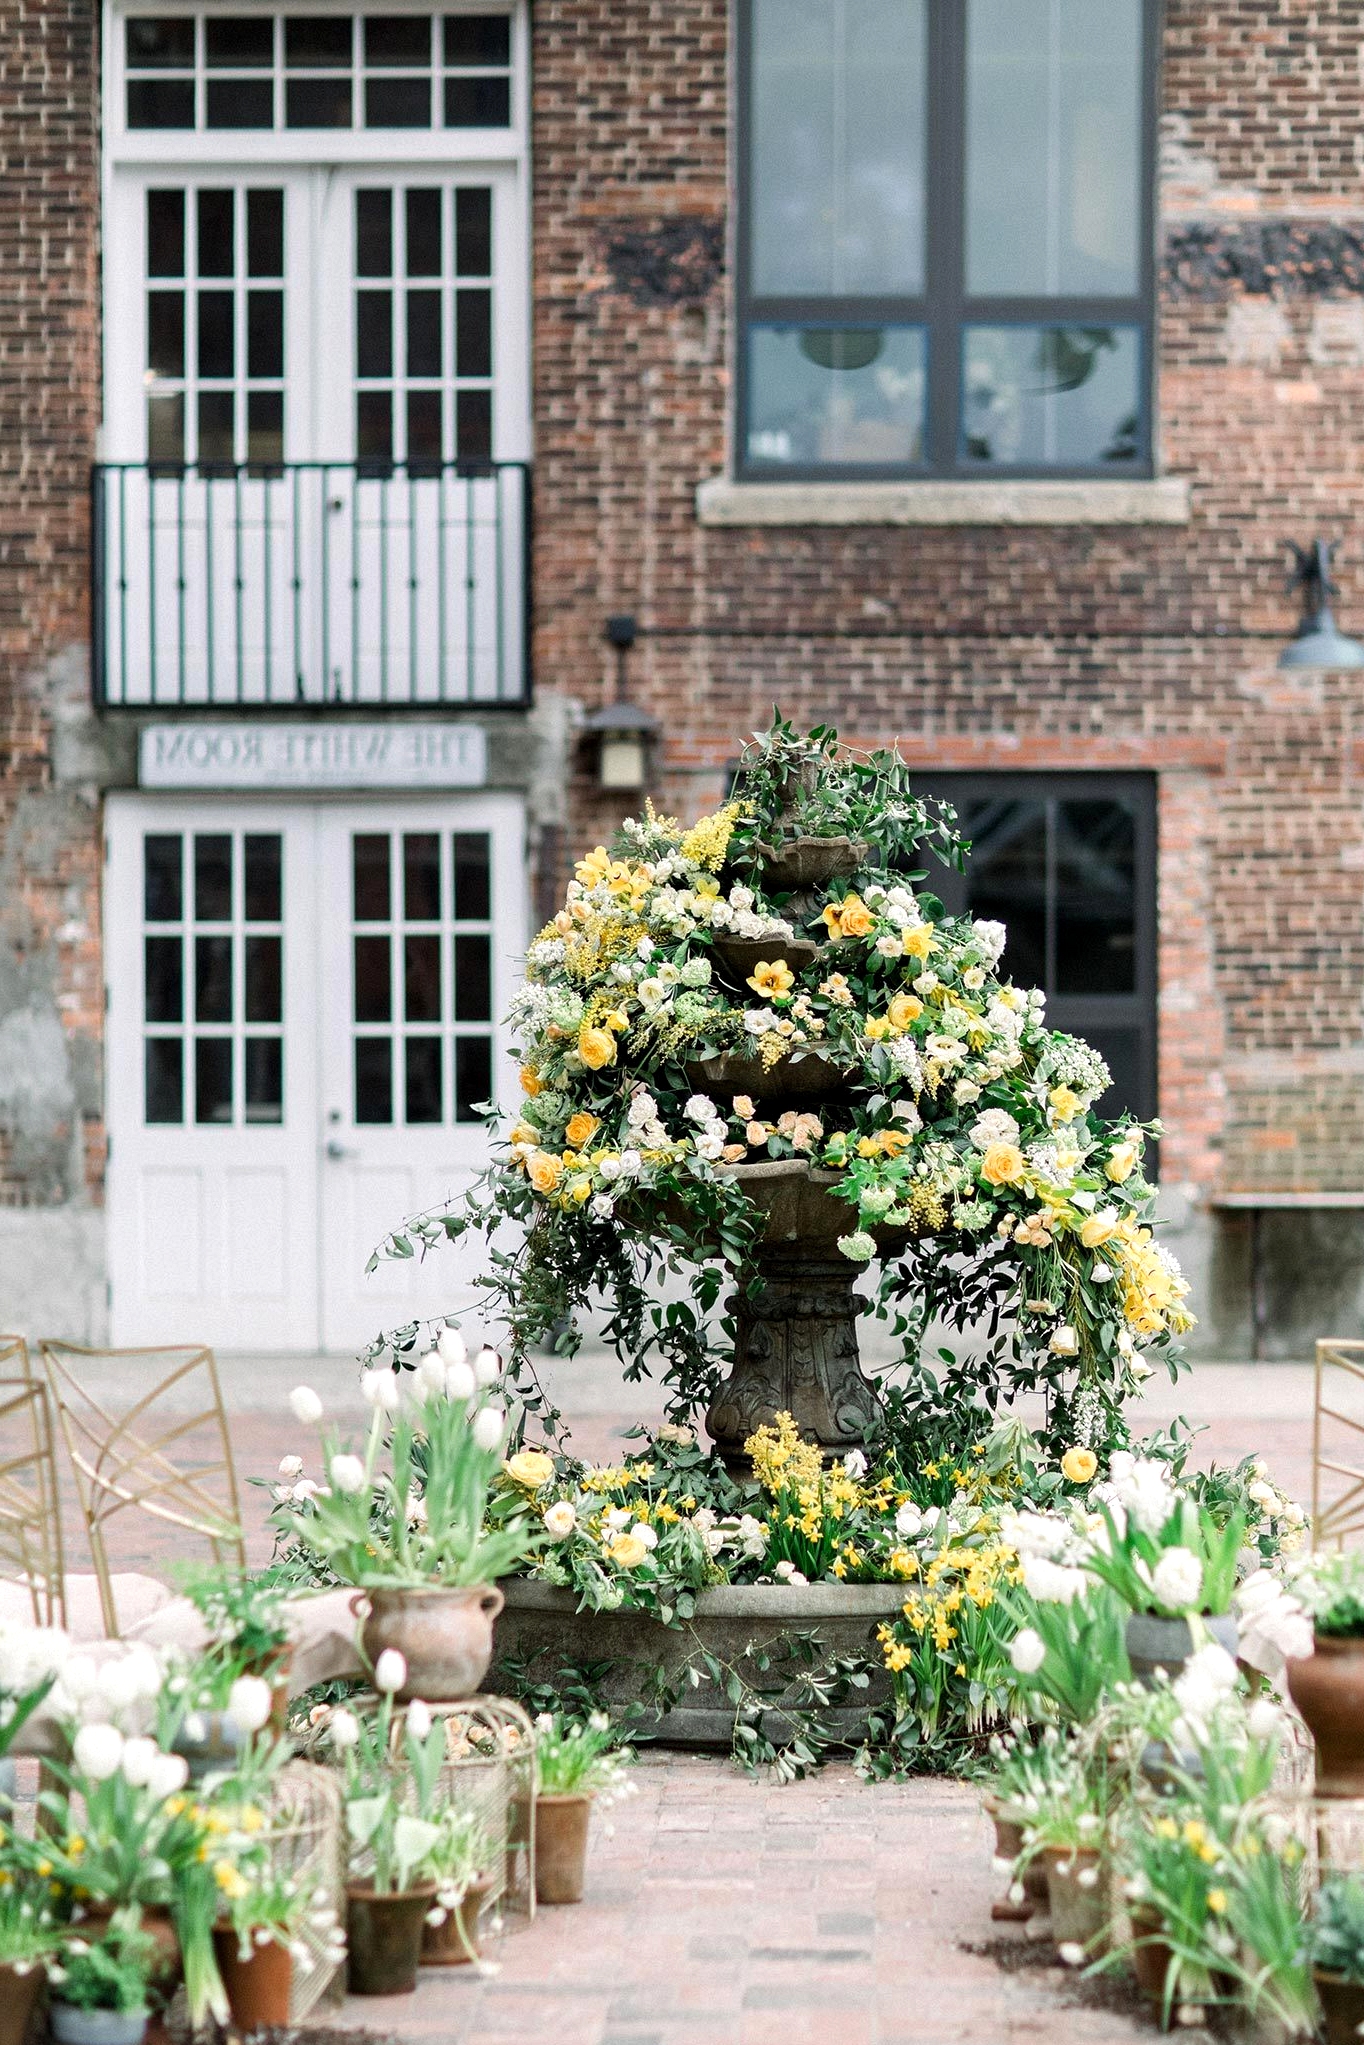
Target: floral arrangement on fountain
(697,1009)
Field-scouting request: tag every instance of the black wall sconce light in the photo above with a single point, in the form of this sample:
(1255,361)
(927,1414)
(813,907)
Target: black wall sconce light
(1318,641)
(622,733)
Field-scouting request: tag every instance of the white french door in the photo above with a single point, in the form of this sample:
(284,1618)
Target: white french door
(304,1008)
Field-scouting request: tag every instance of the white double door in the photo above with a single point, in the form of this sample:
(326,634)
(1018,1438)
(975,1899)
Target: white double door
(304,1016)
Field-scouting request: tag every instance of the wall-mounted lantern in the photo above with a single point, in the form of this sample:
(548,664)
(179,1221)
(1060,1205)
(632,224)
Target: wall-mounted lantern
(622,732)
(1318,642)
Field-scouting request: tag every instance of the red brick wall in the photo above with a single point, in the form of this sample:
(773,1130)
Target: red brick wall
(1136,646)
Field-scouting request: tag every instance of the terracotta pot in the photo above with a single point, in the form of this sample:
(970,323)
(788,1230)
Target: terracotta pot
(384,1938)
(1154,1643)
(257,1988)
(18,1994)
(1342,2004)
(561,1847)
(156,1922)
(1008,1846)
(1152,1957)
(1079,1911)
(444,1635)
(455,1943)
(1328,1689)
(72,2026)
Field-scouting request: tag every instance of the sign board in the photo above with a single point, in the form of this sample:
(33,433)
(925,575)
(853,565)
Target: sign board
(313,756)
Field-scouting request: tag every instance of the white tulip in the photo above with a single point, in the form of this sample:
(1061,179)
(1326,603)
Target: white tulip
(170,1772)
(305,1405)
(139,1758)
(343,1729)
(80,1677)
(459,1382)
(144,1671)
(418,1719)
(488,1427)
(390,1671)
(1028,1652)
(431,1372)
(380,1389)
(291,1467)
(347,1474)
(118,1684)
(249,1703)
(452,1346)
(487,1367)
(97,1751)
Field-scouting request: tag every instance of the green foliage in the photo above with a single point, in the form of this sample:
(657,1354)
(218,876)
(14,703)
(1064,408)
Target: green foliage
(1338,1932)
(806,784)
(1086,1653)
(112,1973)
(1134,1557)
(578,1757)
(1332,1589)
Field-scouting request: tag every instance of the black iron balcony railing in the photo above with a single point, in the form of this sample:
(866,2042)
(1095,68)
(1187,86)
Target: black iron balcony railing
(312,582)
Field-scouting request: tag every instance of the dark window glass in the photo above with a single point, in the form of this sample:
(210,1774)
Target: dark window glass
(478,39)
(474,231)
(213,1079)
(473,1076)
(1006,879)
(422,1058)
(836,394)
(474,102)
(262,854)
(421,979)
(264,980)
(213,979)
(264,428)
(213,879)
(166,333)
(474,413)
(217,238)
(424,447)
(1096,898)
(217,435)
(369,867)
(397,102)
(423,333)
(161,103)
(216,351)
(473,977)
(164,994)
(317,103)
(373,426)
(166,429)
(165,1080)
(160,42)
(264,233)
(374,333)
(473,894)
(373,1080)
(237,42)
(421,877)
(264,1079)
(320,40)
(473,333)
(165,234)
(239,103)
(373,980)
(422,207)
(374,234)
(402,39)
(1051,396)
(265,333)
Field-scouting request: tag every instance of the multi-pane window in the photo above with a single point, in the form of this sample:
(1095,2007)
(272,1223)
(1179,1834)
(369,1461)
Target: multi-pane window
(422,975)
(1067,863)
(215,324)
(424,325)
(213,977)
(318,71)
(945,240)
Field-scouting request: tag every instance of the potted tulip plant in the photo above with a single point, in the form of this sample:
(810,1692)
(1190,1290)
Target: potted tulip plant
(412,1536)
(257,1941)
(1337,1951)
(29,1937)
(1169,1560)
(100,1988)
(577,1763)
(390,1766)
(248,1638)
(1328,1685)
(460,1864)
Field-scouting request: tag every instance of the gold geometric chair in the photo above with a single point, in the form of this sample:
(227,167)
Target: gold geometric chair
(30,1503)
(170,1400)
(1338,1443)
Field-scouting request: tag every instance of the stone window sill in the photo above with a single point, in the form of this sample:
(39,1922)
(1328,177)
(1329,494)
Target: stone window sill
(1160,500)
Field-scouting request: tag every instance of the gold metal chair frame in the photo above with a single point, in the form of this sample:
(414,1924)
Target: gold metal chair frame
(117,1464)
(1334,1519)
(30,1503)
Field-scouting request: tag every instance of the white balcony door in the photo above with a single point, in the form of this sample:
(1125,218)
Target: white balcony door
(303,1012)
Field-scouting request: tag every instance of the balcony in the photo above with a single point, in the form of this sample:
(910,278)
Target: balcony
(314,582)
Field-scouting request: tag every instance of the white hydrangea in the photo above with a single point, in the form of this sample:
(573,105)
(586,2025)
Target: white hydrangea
(996,1125)
(990,939)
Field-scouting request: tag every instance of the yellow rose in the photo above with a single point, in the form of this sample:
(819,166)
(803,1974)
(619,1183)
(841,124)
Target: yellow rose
(868,1146)
(1002,1164)
(893,1141)
(904,1010)
(530,1080)
(524,1132)
(920,941)
(627,1551)
(1122,1162)
(1098,1228)
(743,1107)
(618,1021)
(855,917)
(545,1171)
(579,1190)
(877,1027)
(774,978)
(531,1467)
(1065,1104)
(581,1128)
(596,1048)
(1079,1465)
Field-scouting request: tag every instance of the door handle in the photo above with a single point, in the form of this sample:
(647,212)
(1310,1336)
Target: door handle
(338,1151)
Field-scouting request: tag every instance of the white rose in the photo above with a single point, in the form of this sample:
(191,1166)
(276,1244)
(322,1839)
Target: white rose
(249,1703)
(908,1521)
(1064,1341)
(97,1751)
(390,1672)
(451,1346)
(347,1474)
(645,1533)
(854,1464)
(560,1519)
(1177,1580)
(487,1428)
(305,1489)
(1028,1652)
(291,1467)
(380,1389)
(305,1405)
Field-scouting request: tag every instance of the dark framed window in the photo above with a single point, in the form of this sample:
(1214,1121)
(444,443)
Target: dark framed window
(946,237)
(1067,862)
